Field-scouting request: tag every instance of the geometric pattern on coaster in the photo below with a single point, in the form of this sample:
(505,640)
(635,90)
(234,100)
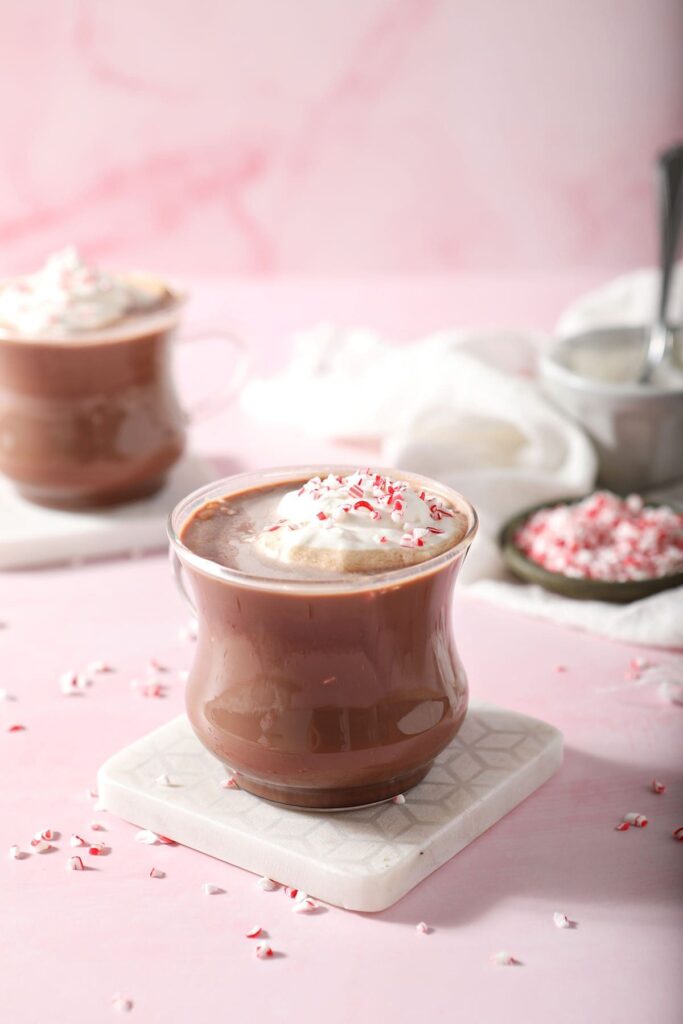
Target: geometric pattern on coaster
(363,859)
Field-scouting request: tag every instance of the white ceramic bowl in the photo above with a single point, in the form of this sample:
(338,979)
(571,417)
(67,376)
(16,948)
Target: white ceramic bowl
(637,429)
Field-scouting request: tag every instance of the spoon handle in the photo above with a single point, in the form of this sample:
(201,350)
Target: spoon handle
(670,175)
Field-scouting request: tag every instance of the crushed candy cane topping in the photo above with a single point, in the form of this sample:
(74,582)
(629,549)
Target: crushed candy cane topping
(263,951)
(605,537)
(67,295)
(363,511)
(422,928)
(657,787)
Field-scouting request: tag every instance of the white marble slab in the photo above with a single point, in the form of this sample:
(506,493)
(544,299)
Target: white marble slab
(32,535)
(362,860)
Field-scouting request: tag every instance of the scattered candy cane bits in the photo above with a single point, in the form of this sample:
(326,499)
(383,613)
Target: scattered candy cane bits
(148,837)
(562,921)
(267,884)
(15,852)
(209,889)
(16,728)
(99,668)
(75,864)
(678,834)
(422,928)
(48,834)
(623,826)
(121,1004)
(657,787)
(157,873)
(263,951)
(637,820)
(254,932)
(96,849)
(398,799)
(41,846)
(304,906)
(229,782)
(505,960)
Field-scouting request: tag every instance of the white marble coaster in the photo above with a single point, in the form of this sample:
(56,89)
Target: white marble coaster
(362,860)
(32,535)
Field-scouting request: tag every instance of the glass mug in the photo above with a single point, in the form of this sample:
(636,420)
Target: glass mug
(323,694)
(94,419)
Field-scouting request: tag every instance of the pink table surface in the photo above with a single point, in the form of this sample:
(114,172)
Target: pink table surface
(69,941)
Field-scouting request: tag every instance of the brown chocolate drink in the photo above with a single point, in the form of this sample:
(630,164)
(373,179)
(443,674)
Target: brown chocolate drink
(88,411)
(322,688)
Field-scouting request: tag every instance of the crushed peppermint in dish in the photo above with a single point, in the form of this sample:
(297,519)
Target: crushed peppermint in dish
(605,537)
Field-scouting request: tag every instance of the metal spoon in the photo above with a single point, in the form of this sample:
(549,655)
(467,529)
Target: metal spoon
(670,182)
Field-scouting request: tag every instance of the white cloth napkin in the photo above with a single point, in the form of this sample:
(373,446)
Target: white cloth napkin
(464,407)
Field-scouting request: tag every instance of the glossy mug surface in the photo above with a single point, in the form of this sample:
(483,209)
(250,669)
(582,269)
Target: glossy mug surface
(326,694)
(92,420)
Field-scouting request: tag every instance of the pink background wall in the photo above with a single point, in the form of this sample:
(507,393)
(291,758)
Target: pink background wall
(336,136)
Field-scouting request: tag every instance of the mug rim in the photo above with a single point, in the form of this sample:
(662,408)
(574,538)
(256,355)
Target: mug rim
(553,368)
(280,474)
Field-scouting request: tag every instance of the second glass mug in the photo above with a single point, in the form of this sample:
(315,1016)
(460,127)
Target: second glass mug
(95,421)
(323,694)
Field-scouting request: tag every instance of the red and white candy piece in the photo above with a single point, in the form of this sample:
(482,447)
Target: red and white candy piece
(148,837)
(304,906)
(147,688)
(657,787)
(678,834)
(398,799)
(40,845)
(97,827)
(96,849)
(263,951)
(157,873)
(267,884)
(14,852)
(48,834)
(623,826)
(16,727)
(561,920)
(76,840)
(637,820)
(75,864)
(229,782)
(503,959)
(121,1004)
(423,928)
(97,668)
(209,889)
(254,932)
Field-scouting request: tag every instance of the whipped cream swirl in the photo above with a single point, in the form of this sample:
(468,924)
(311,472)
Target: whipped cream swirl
(67,296)
(362,514)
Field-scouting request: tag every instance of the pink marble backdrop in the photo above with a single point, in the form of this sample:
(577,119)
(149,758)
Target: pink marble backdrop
(336,136)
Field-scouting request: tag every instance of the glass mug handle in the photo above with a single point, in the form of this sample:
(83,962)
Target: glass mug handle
(216,401)
(179,577)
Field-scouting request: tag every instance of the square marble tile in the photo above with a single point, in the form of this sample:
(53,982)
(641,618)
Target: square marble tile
(364,859)
(32,535)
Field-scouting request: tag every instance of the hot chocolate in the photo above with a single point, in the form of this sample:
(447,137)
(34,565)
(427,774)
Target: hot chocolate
(88,412)
(326,672)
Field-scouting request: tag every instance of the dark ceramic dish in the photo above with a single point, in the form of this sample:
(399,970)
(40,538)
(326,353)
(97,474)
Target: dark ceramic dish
(571,586)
